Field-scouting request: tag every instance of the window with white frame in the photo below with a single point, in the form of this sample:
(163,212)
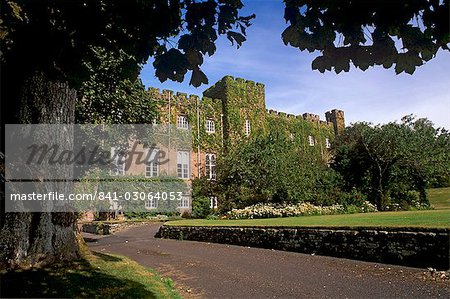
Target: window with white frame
(210,127)
(311,140)
(182,122)
(210,165)
(151,204)
(183,164)
(185,201)
(327,143)
(247,127)
(213,202)
(151,163)
(119,157)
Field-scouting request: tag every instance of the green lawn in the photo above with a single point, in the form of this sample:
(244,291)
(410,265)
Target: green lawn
(440,198)
(429,218)
(440,217)
(97,275)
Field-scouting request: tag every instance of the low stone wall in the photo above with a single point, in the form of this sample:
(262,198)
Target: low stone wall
(404,246)
(105,228)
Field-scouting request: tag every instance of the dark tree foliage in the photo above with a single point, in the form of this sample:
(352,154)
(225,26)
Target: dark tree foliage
(388,162)
(49,58)
(105,97)
(201,207)
(56,37)
(402,34)
(271,169)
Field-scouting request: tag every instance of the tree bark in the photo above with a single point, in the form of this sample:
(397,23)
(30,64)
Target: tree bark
(32,239)
(381,196)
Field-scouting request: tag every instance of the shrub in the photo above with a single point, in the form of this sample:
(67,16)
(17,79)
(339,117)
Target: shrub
(201,207)
(283,210)
(368,207)
(151,214)
(354,197)
(352,209)
(417,205)
(212,217)
(139,215)
(186,215)
(271,168)
(407,200)
(291,210)
(393,207)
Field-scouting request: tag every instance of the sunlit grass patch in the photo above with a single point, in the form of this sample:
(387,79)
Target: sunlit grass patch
(439,198)
(423,218)
(96,275)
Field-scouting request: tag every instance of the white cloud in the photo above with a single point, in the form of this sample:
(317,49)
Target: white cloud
(376,95)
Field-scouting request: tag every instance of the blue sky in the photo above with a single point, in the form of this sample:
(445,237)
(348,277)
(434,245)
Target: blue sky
(376,95)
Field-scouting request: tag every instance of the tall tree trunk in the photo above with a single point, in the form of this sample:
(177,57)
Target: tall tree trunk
(30,239)
(382,197)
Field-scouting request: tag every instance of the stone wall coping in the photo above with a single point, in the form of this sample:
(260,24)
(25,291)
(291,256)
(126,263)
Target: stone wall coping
(409,246)
(333,228)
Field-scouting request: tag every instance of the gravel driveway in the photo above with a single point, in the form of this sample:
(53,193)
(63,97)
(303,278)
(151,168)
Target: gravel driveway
(204,270)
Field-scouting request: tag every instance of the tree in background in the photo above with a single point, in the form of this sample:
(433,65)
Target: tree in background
(400,34)
(47,46)
(46,50)
(109,97)
(389,161)
(271,168)
(201,207)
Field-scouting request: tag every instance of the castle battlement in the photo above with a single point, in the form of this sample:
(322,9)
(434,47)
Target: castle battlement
(242,80)
(217,90)
(194,97)
(153,90)
(174,96)
(249,82)
(182,94)
(168,91)
(311,117)
(249,98)
(307,116)
(231,112)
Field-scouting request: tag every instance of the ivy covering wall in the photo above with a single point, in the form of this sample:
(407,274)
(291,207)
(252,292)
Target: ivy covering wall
(245,100)
(229,103)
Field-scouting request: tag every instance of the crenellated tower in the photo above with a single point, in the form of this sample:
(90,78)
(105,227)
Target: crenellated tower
(243,107)
(336,117)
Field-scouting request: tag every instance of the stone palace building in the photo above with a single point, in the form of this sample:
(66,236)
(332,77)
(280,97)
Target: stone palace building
(230,112)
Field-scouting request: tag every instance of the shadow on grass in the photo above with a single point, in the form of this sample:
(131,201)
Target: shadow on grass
(106,257)
(77,279)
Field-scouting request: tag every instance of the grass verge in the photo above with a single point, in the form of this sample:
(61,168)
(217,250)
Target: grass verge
(426,218)
(438,218)
(439,198)
(97,275)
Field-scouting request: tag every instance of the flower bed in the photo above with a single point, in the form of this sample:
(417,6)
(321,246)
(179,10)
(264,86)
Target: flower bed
(290,210)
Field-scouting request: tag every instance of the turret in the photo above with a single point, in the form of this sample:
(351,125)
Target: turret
(336,117)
